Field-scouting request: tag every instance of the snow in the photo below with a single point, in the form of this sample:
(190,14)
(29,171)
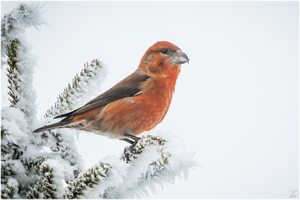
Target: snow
(19,120)
(61,172)
(13,184)
(116,175)
(150,165)
(81,89)
(20,18)
(13,26)
(170,161)
(135,173)
(13,120)
(27,96)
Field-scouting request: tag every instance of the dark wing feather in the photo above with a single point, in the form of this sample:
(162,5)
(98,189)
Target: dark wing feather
(128,87)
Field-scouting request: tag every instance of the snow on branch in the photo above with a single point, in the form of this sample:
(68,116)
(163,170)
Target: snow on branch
(20,152)
(13,24)
(81,87)
(49,185)
(85,182)
(16,55)
(141,167)
(19,73)
(48,165)
(153,162)
(73,96)
(17,120)
(10,190)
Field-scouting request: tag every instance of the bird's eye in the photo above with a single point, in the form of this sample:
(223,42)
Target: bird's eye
(165,51)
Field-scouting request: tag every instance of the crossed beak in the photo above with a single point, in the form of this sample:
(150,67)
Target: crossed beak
(180,58)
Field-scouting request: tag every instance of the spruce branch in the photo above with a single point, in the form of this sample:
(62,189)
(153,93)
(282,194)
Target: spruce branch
(9,150)
(11,171)
(7,170)
(145,163)
(132,152)
(33,168)
(45,188)
(33,164)
(146,160)
(14,23)
(9,190)
(79,87)
(88,180)
(19,74)
(158,165)
(13,72)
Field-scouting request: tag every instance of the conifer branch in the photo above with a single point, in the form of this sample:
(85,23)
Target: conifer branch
(154,168)
(10,171)
(19,74)
(14,23)
(91,178)
(13,72)
(132,152)
(77,89)
(33,168)
(48,183)
(9,190)
(45,188)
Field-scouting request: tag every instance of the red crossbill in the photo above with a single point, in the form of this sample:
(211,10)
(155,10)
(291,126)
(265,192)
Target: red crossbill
(134,105)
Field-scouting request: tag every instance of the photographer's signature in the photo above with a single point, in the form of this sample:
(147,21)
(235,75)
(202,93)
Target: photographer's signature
(293,194)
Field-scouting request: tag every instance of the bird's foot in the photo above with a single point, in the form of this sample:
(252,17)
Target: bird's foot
(135,138)
(128,140)
(131,139)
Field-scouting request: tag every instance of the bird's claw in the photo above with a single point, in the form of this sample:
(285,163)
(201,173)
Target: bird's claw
(135,138)
(131,139)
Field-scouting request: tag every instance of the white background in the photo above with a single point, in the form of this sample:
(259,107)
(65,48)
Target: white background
(235,105)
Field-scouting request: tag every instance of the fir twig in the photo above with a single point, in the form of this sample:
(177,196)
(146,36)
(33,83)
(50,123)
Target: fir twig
(10,189)
(13,72)
(15,22)
(155,167)
(76,90)
(91,178)
(45,188)
(132,152)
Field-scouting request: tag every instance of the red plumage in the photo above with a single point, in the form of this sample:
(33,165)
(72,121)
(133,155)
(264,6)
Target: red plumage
(137,103)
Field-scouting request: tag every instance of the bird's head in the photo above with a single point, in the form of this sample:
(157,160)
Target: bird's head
(163,59)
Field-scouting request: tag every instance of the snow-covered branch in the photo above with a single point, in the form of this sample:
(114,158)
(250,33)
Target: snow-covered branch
(90,179)
(153,162)
(48,165)
(19,73)
(141,167)
(13,24)
(80,88)
(82,85)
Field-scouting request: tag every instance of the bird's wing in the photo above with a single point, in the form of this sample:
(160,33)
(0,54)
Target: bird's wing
(128,87)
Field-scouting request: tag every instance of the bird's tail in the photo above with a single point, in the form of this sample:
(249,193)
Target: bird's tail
(60,124)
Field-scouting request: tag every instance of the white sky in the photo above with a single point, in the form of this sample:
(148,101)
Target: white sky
(235,105)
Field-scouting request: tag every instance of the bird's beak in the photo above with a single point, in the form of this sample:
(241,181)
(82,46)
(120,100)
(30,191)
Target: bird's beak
(180,57)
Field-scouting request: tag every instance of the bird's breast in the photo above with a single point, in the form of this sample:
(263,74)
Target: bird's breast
(135,114)
(152,106)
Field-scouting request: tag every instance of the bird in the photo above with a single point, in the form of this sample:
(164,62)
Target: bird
(134,105)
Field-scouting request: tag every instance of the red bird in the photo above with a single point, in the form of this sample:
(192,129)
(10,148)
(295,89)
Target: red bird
(134,105)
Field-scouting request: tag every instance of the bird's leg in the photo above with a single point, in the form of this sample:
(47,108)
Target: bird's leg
(135,138)
(128,140)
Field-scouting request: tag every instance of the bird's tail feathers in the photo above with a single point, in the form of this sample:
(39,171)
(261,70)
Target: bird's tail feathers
(60,124)
(66,114)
